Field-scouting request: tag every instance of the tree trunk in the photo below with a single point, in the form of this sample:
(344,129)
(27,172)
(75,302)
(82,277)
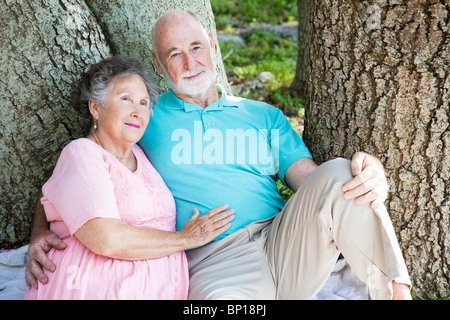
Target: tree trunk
(45,46)
(128,27)
(299,84)
(379,82)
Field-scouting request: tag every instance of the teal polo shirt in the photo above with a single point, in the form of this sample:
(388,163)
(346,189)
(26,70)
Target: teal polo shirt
(231,152)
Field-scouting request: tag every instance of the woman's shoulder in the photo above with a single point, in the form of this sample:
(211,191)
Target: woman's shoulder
(143,160)
(140,155)
(82,149)
(138,151)
(79,158)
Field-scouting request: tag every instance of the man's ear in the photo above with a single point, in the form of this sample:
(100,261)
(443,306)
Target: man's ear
(156,62)
(212,43)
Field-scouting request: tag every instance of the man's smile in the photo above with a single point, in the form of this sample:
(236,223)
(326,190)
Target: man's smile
(194,76)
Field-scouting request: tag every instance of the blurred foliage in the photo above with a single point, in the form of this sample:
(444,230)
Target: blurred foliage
(262,51)
(237,14)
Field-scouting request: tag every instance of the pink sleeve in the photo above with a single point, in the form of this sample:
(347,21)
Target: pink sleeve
(80,188)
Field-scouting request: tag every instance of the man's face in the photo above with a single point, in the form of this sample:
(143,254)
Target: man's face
(185,53)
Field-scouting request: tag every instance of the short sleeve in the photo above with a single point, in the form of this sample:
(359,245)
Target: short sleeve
(290,145)
(80,188)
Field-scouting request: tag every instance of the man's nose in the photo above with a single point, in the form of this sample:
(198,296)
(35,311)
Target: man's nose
(189,61)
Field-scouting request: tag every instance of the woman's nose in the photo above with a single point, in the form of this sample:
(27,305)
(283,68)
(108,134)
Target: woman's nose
(137,111)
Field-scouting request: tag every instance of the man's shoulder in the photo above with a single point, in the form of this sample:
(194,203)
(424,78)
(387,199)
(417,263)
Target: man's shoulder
(254,105)
(162,98)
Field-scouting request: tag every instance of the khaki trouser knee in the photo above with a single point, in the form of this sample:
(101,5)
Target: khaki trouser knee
(317,224)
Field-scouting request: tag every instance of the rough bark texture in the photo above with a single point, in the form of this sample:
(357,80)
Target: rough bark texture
(44,47)
(379,83)
(128,26)
(299,84)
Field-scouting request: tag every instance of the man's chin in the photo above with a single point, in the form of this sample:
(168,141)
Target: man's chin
(192,90)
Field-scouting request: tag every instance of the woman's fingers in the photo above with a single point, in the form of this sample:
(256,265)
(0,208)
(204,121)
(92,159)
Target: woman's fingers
(223,218)
(213,223)
(217,210)
(195,215)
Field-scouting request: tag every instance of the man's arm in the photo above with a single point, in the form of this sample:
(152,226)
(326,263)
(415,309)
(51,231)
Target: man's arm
(369,184)
(297,172)
(42,240)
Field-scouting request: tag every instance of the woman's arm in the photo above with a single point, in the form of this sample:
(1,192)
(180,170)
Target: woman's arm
(111,238)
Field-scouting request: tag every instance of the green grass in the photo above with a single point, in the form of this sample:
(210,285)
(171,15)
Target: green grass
(439,296)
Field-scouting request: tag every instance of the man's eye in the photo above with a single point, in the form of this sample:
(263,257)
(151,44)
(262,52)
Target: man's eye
(175,55)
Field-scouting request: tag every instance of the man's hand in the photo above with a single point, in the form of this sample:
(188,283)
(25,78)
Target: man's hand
(369,184)
(37,258)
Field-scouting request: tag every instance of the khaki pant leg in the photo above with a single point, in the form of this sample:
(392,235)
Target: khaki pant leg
(317,224)
(233,268)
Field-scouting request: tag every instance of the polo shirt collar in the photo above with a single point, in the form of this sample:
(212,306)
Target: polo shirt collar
(173,102)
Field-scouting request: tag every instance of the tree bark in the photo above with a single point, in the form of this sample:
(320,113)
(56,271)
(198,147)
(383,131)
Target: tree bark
(45,46)
(299,84)
(128,27)
(379,82)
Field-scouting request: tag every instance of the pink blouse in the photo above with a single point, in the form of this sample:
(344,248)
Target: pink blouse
(87,183)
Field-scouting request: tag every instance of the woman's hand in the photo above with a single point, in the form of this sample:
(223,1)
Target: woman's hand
(200,230)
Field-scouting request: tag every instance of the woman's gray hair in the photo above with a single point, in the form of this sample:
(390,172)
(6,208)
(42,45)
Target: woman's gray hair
(98,80)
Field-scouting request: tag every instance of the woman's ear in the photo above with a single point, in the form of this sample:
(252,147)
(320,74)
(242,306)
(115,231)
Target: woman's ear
(93,108)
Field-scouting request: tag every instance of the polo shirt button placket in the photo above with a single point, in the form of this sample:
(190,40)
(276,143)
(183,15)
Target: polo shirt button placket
(205,121)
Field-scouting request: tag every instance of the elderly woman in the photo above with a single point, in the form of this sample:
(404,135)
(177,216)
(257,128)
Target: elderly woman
(112,207)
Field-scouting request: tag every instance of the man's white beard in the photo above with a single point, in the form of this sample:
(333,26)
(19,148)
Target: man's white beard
(195,86)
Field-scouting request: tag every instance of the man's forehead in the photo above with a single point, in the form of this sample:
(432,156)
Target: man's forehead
(177,30)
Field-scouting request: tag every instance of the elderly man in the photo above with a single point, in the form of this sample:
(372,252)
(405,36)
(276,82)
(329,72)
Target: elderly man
(211,149)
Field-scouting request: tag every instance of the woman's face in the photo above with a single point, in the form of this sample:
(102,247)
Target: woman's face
(126,112)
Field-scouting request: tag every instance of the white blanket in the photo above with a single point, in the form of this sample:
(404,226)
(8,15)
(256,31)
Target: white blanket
(12,274)
(342,284)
